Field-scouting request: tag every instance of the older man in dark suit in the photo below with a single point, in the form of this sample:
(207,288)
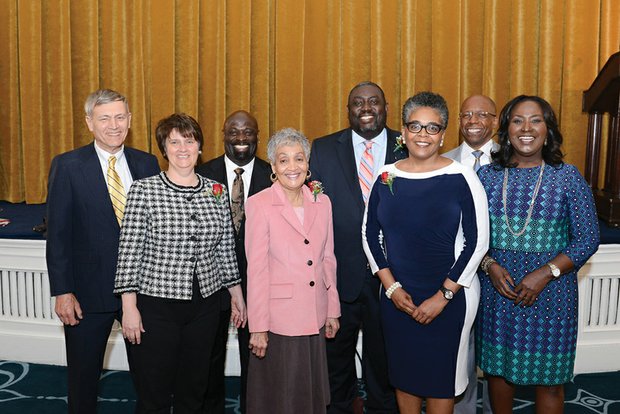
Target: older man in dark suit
(85,204)
(244,174)
(347,162)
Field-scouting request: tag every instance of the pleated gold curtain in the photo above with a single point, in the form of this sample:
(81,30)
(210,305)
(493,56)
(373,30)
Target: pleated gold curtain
(289,62)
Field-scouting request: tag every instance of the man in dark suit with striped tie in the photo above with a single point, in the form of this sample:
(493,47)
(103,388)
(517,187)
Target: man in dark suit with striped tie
(87,189)
(347,162)
(244,174)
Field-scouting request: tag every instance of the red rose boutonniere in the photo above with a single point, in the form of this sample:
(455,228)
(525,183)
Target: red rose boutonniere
(316,188)
(217,191)
(400,144)
(387,178)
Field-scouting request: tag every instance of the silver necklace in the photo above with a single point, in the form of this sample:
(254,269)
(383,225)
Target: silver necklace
(531,208)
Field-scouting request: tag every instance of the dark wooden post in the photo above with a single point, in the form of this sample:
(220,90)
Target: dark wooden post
(602,97)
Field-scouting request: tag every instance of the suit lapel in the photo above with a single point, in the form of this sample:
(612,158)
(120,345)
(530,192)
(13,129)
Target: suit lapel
(255,181)
(310,209)
(219,172)
(133,166)
(346,156)
(458,155)
(288,212)
(93,177)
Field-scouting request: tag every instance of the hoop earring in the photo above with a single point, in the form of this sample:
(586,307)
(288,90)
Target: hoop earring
(308,174)
(273,177)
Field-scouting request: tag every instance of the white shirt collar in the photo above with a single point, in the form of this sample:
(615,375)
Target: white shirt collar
(105,155)
(486,148)
(231,166)
(379,141)
(246,176)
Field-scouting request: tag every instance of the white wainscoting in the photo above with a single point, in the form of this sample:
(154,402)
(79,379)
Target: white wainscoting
(31,332)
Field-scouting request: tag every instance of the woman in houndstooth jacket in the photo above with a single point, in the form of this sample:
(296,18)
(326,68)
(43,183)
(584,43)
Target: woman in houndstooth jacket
(176,249)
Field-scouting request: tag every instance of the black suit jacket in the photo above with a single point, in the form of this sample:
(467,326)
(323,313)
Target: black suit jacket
(82,232)
(332,161)
(216,170)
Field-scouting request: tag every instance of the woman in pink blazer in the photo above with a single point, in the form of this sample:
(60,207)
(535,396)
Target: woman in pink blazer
(292,298)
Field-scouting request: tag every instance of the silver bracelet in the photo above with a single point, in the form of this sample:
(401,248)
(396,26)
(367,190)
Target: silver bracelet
(391,289)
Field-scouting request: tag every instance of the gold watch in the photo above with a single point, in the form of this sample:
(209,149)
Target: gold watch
(555,271)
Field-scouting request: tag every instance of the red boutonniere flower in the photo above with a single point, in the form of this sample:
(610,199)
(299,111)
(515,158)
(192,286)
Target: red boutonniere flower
(217,191)
(316,188)
(400,144)
(387,178)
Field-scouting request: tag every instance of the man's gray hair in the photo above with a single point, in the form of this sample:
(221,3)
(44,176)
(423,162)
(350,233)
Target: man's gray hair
(287,136)
(102,97)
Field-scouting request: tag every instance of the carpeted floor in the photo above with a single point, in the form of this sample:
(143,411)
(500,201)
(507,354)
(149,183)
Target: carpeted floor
(32,388)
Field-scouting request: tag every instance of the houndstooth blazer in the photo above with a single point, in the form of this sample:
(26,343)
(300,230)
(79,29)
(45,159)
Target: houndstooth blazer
(168,233)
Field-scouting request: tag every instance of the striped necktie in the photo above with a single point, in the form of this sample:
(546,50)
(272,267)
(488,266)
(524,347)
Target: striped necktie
(116,190)
(477,154)
(365,171)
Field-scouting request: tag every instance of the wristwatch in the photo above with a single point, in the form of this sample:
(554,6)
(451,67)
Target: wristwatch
(555,271)
(447,293)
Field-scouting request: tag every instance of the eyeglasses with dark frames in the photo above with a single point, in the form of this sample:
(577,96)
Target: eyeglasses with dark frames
(431,128)
(480,114)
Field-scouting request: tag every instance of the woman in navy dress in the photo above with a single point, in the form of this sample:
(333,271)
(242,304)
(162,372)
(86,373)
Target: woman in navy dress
(543,229)
(425,232)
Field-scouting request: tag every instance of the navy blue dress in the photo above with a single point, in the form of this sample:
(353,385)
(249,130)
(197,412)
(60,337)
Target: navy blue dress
(427,227)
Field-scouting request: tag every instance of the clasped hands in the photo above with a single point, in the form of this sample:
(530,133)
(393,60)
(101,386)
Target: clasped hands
(426,312)
(526,292)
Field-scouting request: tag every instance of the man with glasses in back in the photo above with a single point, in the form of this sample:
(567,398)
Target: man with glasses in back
(86,196)
(477,120)
(244,174)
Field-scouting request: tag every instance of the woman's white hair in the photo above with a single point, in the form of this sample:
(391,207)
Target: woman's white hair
(287,136)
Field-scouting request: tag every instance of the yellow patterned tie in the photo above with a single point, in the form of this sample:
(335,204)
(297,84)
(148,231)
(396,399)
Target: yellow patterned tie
(116,190)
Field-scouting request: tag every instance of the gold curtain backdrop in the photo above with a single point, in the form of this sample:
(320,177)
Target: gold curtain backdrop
(289,62)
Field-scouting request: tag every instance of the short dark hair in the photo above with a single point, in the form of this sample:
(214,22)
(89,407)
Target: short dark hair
(426,100)
(183,123)
(551,151)
(366,83)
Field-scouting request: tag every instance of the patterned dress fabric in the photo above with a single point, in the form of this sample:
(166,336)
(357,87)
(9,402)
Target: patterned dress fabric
(536,344)
(428,227)
(170,235)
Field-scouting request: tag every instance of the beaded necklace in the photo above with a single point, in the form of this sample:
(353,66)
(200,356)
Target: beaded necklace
(530,209)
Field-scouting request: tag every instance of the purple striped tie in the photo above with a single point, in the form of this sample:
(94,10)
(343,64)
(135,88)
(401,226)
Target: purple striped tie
(366,171)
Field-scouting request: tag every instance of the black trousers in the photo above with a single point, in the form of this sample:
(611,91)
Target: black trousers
(216,394)
(85,345)
(170,368)
(363,314)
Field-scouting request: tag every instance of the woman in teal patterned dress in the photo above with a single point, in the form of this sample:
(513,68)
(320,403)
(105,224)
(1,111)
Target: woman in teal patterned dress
(543,229)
